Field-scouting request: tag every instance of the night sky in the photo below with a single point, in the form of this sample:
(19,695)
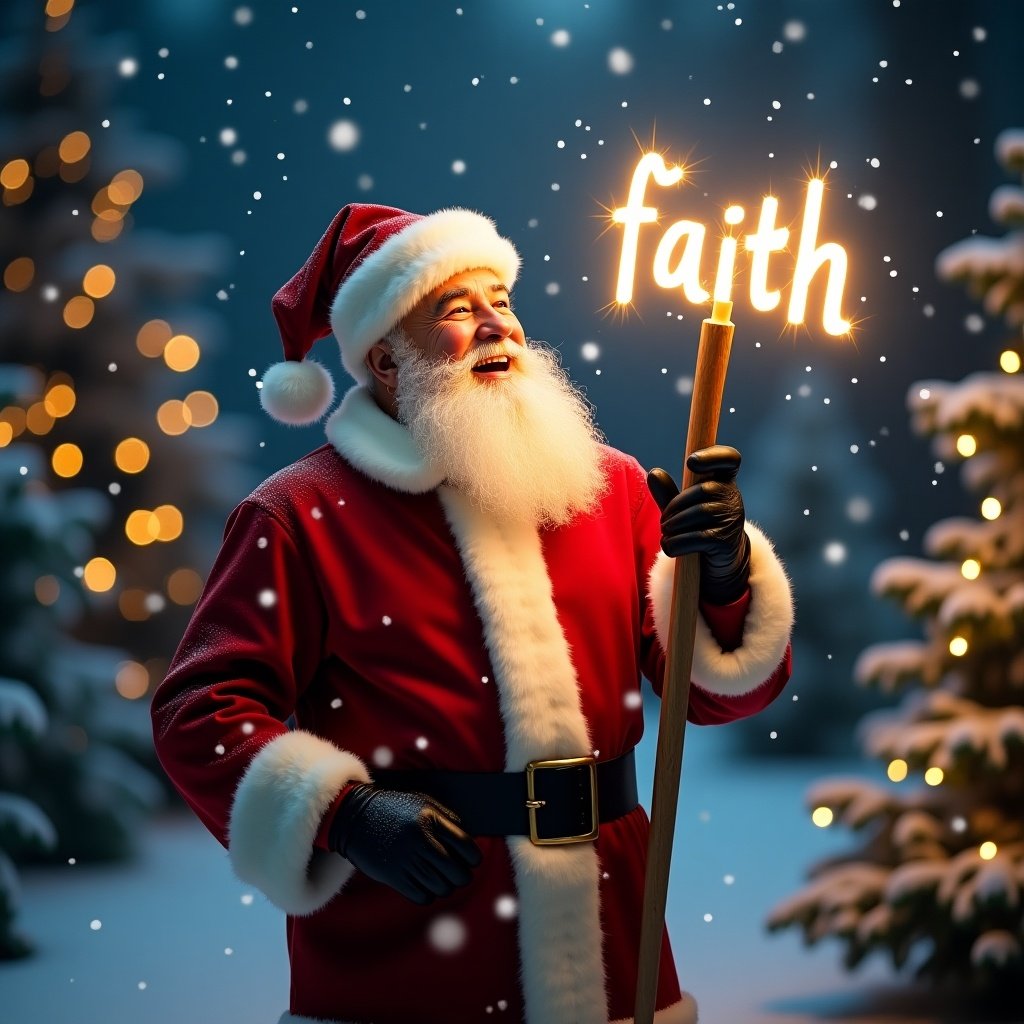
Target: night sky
(535,113)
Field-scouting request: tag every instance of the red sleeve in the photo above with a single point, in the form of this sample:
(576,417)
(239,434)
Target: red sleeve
(253,643)
(724,621)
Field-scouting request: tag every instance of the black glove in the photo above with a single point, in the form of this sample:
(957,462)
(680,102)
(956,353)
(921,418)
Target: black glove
(405,840)
(708,518)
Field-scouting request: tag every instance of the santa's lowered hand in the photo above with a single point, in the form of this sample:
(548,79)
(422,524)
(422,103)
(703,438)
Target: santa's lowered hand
(407,841)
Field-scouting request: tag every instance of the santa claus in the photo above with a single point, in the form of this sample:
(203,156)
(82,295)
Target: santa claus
(408,698)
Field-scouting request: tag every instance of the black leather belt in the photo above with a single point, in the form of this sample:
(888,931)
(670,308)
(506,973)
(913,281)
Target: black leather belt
(552,802)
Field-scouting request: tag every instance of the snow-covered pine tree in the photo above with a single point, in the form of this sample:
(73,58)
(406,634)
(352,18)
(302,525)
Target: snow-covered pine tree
(102,306)
(66,786)
(938,881)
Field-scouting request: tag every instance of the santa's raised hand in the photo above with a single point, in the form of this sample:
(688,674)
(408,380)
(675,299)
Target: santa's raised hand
(707,518)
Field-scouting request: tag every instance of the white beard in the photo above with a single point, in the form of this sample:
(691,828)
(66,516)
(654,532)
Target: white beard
(522,447)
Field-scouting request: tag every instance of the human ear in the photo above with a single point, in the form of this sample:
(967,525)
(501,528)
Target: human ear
(381,364)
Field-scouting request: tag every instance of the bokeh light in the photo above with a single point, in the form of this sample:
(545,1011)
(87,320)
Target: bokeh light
(99,574)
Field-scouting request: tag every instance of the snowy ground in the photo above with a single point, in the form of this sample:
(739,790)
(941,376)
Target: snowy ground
(174,938)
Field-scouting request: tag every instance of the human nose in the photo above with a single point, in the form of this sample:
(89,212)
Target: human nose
(494,326)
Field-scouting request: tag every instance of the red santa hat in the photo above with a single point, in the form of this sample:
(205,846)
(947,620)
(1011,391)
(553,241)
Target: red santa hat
(372,266)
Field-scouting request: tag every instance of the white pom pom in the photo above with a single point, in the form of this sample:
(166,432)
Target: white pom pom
(296,393)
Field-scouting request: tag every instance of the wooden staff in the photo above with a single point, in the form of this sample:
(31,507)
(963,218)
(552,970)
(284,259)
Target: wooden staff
(705,407)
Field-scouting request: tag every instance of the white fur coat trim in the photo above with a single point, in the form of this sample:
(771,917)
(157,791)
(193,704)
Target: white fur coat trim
(275,816)
(562,971)
(766,630)
(378,445)
(683,1012)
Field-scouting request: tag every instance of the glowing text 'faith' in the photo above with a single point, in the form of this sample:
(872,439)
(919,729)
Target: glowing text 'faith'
(675,270)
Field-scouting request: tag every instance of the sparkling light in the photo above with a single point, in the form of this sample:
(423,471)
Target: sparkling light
(14,173)
(991,508)
(966,445)
(174,417)
(933,776)
(897,770)
(1009,361)
(66,459)
(131,455)
(99,574)
(970,569)
(142,527)
(98,281)
(78,312)
(59,400)
(170,522)
(987,850)
(958,646)
(18,274)
(152,337)
(822,816)
(181,353)
(132,680)
(202,406)
(73,147)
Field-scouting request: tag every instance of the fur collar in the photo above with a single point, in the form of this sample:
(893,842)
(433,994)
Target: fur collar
(379,446)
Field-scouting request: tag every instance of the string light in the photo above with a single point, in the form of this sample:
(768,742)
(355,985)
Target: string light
(142,527)
(991,508)
(987,850)
(1009,361)
(131,455)
(170,522)
(202,407)
(897,770)
(132,680)
(933,776)
(970,569)
(822,816)
(59,400)
(181,353)
(18,274)
(99,574)
(174,417)
(14,174)
(79,311)
(958,646)
(184,586)
(47,590)
(74,147)
(152,337)
(66,460)
(966,445)
(98,281)
(38,419)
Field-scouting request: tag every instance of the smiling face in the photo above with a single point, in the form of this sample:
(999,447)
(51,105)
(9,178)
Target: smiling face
(470,312)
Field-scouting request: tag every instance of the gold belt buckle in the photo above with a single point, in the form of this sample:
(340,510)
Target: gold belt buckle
(533,804)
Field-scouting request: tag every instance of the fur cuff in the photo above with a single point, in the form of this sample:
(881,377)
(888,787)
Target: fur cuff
(276,813)
(765,632)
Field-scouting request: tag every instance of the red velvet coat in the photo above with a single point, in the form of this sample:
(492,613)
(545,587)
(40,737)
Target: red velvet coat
(400,627)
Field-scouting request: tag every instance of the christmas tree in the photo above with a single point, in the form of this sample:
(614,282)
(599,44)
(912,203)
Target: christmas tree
(938,881)
(67,787)
(102,307)
(116,468)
